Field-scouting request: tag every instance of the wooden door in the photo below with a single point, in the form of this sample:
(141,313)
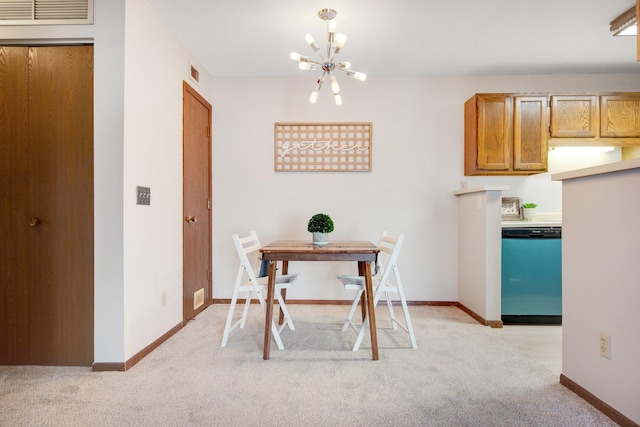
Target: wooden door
(197,203)
(50,231)
(14,205)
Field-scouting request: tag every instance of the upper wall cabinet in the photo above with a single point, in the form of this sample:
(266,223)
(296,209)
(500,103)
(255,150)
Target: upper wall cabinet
(595,119)
(620,115)
(574,116)
(506,134)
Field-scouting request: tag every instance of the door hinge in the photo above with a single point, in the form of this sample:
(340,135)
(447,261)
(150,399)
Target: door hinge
(208,131)
(209,204)
(208,274)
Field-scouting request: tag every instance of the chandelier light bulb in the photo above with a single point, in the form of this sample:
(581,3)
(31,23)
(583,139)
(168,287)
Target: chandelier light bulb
(331,26)
(341,39)
(311,42)
(337,98)
(295,56)
(360,76)
(334,85)
(304,65)
(314,97)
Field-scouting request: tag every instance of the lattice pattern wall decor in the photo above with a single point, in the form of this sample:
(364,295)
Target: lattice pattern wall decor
(322,147)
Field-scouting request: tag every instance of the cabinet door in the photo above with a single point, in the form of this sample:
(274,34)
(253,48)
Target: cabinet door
(574,116)
(530,133)
(620,115)
(494,132)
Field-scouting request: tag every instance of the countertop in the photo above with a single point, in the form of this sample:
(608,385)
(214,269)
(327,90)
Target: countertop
(598,170)
(535,223)
(481,189)
(543,219)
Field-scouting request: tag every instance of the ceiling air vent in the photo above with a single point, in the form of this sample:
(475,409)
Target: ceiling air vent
(46,12)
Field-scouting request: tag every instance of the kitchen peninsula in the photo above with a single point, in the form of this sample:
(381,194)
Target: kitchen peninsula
(600,248)
(479,252)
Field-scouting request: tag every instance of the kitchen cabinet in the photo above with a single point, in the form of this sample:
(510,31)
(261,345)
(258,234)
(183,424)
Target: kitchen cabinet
(506,134)
(595,119)
(574,116)
(620,115)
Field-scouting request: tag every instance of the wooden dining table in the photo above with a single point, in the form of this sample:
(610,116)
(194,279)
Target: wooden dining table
(362,252)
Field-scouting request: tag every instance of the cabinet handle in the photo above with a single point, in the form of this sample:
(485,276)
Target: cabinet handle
(191,219)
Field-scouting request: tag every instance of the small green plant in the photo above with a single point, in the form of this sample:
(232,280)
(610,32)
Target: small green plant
(529,205)
(320,223)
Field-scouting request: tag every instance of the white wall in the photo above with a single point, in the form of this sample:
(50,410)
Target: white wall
(156,65)
(600,247)
(479,253)
(418,138)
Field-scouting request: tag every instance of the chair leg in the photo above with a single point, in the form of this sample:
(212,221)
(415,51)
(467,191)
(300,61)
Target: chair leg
(232,306)
(392,314)
(365,321)
(274,327)
(405,309)
(354,305)
(245,310)
(284,314)
(363,328)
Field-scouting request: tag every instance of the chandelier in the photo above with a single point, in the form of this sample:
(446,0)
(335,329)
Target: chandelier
(335,42)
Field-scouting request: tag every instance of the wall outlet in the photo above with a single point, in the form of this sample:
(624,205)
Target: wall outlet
(463,185)
(163,298)
(605,345)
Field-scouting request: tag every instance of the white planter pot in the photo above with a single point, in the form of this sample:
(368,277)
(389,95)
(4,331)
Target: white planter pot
(529,214)
(320,238)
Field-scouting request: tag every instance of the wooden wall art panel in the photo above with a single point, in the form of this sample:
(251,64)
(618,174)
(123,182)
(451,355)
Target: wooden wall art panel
(322,147)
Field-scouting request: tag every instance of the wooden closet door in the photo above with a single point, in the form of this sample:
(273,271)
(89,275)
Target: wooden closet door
(46,205)
(14,190)
(60,265)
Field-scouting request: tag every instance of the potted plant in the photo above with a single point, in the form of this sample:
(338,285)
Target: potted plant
(529,211)
(320,225)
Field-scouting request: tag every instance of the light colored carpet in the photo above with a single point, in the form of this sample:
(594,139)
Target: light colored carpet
(462,374)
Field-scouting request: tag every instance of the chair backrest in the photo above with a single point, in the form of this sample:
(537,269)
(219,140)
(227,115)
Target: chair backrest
(389,251)
(246,248)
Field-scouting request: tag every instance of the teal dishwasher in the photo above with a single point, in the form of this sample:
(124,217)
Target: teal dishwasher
(532,275)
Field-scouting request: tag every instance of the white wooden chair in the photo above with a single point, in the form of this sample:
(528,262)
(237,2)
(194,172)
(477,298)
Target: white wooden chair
(384,282)
(248,247)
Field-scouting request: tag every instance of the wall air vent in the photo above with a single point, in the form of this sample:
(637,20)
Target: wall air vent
(46,12)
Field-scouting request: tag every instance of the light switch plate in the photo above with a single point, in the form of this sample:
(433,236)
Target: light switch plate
(144,195)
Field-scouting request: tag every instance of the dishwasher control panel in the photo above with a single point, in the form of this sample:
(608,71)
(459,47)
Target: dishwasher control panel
(533,232)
